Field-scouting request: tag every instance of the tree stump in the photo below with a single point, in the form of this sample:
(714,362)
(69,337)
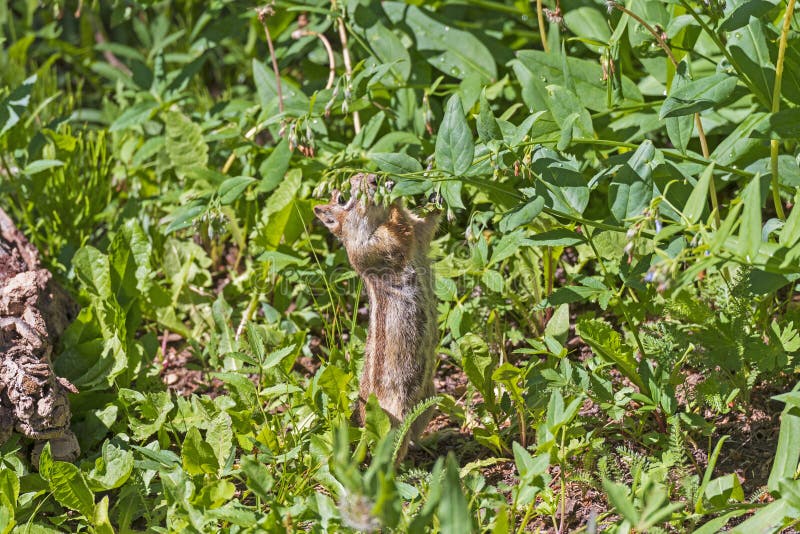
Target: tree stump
(34,312)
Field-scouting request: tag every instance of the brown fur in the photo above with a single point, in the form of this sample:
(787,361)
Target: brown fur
(388,247)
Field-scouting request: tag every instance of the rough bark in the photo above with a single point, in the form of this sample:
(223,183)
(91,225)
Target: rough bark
(34,312)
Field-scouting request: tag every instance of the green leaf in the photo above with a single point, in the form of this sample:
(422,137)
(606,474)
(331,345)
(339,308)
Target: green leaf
(93,270)
(455,148)
(9,488)
(679,129)
(790,233)
(386,47)
(523,215)
(70,489)
(232,188)
(631,190)
(453,512)
(787,454)
(488,129)
(493,281)
(750,226)
(285,194)
(185,145)
(618,496)
(396,163)
(608,344)
(112,469)
(134,115)
(456,52)
(698,95)
(478,364)
(274,168)
(14,105)
(537,69)
(748,46)
(694,207)
(197,455)
(259,479)
(41,165)
(559,237)
(570,115)
(723,489)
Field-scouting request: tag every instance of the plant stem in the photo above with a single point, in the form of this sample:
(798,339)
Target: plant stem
(348,66)
(776,105)
(542,30)
(297,34)
(263,13)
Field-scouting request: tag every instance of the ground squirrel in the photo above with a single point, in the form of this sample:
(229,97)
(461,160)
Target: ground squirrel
(388,246)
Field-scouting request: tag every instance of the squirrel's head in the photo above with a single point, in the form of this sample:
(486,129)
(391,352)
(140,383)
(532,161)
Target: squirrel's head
(344,217)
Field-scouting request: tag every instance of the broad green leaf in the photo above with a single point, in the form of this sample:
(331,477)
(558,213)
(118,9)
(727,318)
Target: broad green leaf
(741,141)
(523,215)
(197,455)
(608,344)
(451,193)
(93,270)
(741,11)
(619,498)
(134,115)
(274,168)
(585,80)
(396,162)
(697,200)
(129,255)
(679,129)
(232,188)
(569,113)
(767,519)
(493,281)
(750,226)
(454,145)
(488,130)
(455,52)
(219,436)
(558,237)
(558,325)
(698,95)
(9,487)
(284,194)
(748,46)
(259,480)
(631,190)
(453,512)
(41,165)
(589,23)
(70,489)
(386,47)
(112,469)
(723,489)
(478,364)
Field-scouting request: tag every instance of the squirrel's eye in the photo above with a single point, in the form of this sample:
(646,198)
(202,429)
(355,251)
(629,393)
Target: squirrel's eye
(341,200)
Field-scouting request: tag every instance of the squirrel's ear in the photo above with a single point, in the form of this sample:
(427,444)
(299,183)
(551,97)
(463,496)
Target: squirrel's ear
(324,213)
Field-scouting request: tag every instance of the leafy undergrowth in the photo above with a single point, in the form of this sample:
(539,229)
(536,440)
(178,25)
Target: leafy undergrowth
(616,274)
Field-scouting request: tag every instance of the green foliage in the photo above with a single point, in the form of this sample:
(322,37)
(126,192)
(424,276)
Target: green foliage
(616,273)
